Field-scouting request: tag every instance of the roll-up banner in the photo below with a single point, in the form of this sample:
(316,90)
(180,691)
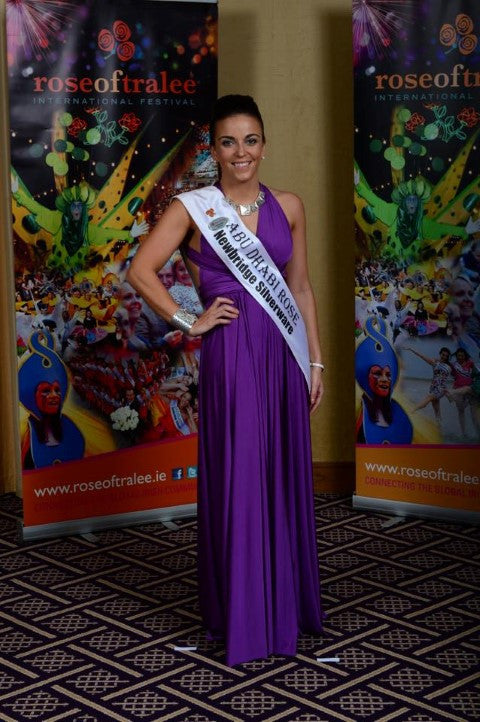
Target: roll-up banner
(417,282)
(109,107)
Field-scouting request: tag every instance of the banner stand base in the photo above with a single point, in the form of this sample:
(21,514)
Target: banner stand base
(75,527)
(405,508)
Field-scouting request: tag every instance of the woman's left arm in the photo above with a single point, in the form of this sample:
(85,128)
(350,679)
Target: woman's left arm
(300,286)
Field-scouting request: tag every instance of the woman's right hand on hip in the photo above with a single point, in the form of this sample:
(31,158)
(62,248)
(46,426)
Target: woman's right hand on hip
(221,312)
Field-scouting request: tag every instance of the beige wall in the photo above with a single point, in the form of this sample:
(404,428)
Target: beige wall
(295,59)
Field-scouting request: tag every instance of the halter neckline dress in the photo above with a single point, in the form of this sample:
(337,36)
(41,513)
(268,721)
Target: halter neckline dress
(257,555)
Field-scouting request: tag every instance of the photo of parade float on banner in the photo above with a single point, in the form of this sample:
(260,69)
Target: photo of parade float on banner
(109,120)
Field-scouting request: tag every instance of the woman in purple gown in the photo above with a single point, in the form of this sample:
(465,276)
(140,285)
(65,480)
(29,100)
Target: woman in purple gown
(257,556)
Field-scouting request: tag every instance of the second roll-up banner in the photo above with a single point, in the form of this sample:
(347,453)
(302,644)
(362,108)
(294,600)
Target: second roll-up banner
(109,108)
(417,295)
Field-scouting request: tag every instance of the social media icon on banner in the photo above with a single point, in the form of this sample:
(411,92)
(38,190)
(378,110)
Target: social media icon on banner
(192,472)
(177,473)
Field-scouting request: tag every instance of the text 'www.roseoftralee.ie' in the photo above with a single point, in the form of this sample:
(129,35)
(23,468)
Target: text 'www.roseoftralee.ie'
(113,482)
(413,472)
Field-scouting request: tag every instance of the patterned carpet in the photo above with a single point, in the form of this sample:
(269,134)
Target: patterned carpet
(88,629)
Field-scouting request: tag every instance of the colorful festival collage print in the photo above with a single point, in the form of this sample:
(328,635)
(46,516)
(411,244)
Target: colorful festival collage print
(417,222)
(109,120)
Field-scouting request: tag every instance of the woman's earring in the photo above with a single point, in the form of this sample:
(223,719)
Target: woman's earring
(263,157)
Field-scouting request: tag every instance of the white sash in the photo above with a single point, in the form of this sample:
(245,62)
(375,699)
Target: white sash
(245,256)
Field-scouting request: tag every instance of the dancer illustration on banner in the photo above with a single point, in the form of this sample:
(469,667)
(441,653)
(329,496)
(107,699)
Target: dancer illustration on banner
(462,394)
(381,420)
(74,236)
(442,374)
(409,231)
(419,324)
(51,437)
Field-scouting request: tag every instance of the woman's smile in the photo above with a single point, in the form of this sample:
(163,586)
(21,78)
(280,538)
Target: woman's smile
(238,148)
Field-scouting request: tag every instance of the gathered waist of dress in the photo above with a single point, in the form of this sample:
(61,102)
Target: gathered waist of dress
(228,287)
(215,277)
(201,260)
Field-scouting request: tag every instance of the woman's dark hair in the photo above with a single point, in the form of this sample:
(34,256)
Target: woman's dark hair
(464,351)
(55,426)
(229,105)
(377,405)
(444,348)
(192,389)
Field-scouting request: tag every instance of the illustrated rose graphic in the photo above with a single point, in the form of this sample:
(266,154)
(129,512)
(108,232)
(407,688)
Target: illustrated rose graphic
(76,126)
(125,50)
(121,31)
(464,23)
(117,39)
(130,122)
(106,41)
(416,119)
(467,44)
(469,116)
(460,36)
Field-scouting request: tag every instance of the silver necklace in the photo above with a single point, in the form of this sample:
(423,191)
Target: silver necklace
(248,208)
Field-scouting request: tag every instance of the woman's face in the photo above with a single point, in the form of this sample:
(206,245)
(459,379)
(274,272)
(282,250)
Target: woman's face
(476,251)
(462,295)
(380,380)
(131,301)
(166,276)
(454,319)
(181,274)
(48,397)
(461,355)
(76,210)
(411,204)
(237,147)
(184,400)
(444,355)
(122,323)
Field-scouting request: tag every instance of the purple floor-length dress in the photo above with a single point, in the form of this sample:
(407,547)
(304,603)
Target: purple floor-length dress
(258,574)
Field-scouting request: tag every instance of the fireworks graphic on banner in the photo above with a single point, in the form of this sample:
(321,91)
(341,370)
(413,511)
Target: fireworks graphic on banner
(375,22)
(32,25)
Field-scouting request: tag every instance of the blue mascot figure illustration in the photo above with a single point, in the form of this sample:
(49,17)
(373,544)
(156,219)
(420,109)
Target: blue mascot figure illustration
(381,420)
(51,437)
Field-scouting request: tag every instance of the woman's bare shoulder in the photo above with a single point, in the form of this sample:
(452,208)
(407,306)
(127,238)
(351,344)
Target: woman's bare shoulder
(292,205)
(177,213)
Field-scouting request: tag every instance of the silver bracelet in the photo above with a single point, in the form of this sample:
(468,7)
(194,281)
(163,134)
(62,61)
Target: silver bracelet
(317,365)
(183,320)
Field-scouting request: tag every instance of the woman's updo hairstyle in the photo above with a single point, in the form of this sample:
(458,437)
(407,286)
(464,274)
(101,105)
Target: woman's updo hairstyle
(229,105)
